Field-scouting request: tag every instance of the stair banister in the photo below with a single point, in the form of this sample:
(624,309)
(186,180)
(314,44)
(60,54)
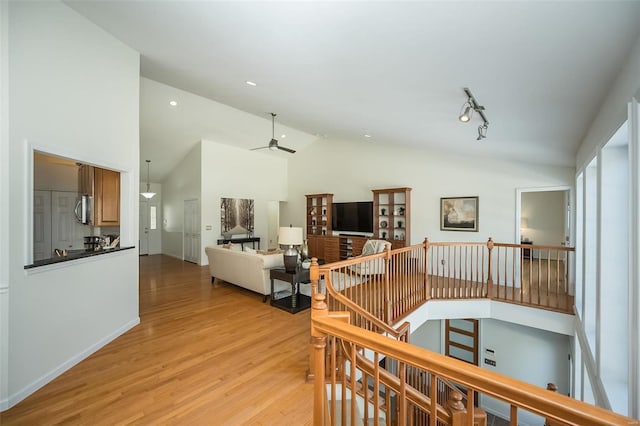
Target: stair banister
(556,407)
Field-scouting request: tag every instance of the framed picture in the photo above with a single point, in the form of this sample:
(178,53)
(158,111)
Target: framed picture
(236,216)
(459,214)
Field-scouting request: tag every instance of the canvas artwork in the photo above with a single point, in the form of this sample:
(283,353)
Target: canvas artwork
(459,214)
(236,216)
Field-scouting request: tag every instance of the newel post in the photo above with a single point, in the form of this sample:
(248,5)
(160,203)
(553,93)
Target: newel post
(318,308)
(550,422)
(456,409)
(387,290)
(489,272)
(318,345)
(427,280)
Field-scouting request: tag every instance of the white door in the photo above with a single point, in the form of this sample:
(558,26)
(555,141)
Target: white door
(144,228)
(192,231)
(66,231)
(155,234)
(42,225)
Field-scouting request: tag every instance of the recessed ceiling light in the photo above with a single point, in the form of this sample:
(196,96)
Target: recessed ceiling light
(173,103)
(366,135)
(251,83)
(283,136)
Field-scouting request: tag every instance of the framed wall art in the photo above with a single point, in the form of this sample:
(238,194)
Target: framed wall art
(236,216)
(459,214)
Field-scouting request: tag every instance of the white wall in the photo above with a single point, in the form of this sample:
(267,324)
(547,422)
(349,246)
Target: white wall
(73,92)
(231,172)
(429,336)
(534,356)
(4,203)
(350,170)
(618,106)
(183,183)
(545,212)
(613,111)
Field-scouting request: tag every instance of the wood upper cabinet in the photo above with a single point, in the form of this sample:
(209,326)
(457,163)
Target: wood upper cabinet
(106,197)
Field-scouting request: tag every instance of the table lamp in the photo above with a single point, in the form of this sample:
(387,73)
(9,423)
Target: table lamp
(290,236)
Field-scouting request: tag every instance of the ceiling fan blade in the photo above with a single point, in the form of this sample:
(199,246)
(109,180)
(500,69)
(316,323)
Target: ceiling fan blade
(289,150)
(255,149)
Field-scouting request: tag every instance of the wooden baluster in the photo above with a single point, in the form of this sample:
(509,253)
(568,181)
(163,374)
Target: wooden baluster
(387,297)
(433,394)
(456,409)
(319,343)
(513,418)
(489,275)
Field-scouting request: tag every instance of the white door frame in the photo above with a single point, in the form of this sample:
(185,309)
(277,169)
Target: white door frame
(570,226)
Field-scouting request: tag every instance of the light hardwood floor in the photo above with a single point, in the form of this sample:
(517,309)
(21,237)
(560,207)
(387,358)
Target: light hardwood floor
(202,355)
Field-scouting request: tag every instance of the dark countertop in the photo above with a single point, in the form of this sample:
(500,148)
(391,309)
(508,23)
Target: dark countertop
(73,255)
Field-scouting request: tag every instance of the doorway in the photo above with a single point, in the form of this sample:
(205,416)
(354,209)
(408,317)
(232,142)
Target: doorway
(544,216)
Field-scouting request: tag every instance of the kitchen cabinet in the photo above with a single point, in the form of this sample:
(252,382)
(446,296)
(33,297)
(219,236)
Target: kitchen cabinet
(104,187)
(106,197)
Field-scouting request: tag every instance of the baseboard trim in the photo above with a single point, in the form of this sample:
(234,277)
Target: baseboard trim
(48,377)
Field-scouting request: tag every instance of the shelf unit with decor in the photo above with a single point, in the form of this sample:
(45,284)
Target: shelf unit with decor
(351,246)
(392,216)
(319,214)
(318,227)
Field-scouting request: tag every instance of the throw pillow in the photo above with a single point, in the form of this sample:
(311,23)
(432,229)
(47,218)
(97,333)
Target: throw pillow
(235,247)
(272,251)
(249,250)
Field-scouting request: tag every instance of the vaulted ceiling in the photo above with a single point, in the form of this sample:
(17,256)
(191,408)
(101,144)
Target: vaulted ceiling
(391,70)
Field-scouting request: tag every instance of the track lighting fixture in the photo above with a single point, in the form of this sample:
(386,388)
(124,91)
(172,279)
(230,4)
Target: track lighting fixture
(466,112)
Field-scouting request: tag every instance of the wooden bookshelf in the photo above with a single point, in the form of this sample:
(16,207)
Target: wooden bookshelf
(392,216)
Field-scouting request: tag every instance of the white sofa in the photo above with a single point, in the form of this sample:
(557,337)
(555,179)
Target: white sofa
(246,269)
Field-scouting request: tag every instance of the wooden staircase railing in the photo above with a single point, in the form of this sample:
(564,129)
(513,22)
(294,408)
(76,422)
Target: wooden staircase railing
(364,350)
(385,287)
(532,275)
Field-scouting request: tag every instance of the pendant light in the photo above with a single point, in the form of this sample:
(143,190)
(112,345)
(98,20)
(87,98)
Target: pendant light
(148,194)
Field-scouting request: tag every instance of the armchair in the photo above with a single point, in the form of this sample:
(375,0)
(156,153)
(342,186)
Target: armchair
(375,266)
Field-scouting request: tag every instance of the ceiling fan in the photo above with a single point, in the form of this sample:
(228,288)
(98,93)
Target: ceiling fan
(273,144)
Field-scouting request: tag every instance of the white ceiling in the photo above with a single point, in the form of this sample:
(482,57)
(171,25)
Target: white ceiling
(394,70)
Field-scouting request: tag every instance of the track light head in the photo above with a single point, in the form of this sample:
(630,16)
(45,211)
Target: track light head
(466,112)
(482,131)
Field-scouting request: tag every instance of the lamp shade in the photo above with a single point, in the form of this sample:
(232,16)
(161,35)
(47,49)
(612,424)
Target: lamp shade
(524,223)
(290,236)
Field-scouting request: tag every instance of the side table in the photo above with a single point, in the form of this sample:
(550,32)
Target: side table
(527,253)
(296,302)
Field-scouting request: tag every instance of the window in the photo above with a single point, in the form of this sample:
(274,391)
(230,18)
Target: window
(152,217)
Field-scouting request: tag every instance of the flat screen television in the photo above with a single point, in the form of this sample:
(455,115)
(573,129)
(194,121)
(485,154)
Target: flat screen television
(352,217)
